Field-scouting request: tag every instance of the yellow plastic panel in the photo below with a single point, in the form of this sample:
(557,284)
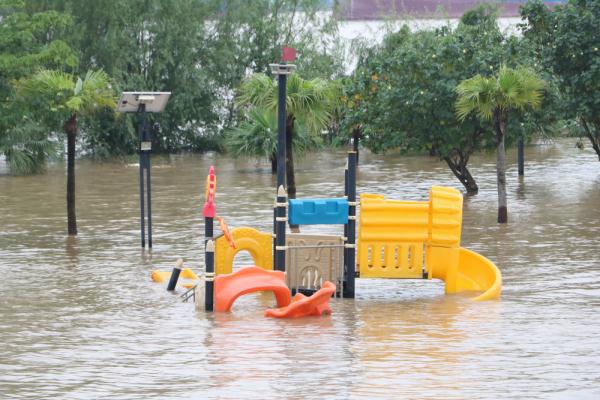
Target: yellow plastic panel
(445,215)
(258,244)
(391,237)
(392,260)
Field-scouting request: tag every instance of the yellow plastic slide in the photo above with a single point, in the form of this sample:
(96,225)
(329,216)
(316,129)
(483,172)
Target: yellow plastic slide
(464,270)
(421,239)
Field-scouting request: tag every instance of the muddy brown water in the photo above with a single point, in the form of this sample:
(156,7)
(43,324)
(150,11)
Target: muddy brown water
(80,319)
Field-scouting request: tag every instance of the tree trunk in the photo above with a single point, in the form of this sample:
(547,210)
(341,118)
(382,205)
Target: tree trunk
(71,131)
(458,166)
(594,138)
(273,159)
(290,175)
(500,122)
(356,134)
(289,162)
(521,155)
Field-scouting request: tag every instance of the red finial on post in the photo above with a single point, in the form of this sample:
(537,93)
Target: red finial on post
(288,54)
(209,194)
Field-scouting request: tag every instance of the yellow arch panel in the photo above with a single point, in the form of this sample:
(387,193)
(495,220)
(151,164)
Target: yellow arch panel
(258,244)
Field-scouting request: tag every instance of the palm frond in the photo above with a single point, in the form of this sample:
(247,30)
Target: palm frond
(258,90)
(26,148)
(475,95)
(510,89)
(257,137)
(62,90)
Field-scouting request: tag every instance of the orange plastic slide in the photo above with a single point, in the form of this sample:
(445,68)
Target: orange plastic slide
(229,287)
(302,306)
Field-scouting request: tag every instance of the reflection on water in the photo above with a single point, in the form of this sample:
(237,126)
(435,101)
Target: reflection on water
(81,319)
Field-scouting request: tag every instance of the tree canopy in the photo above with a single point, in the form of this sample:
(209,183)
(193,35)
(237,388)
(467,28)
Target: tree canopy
(28,42)
(567,44)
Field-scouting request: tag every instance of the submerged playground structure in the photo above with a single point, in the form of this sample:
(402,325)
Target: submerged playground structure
(396,240)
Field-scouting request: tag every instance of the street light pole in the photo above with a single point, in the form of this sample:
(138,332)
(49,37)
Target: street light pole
(141,129)
(143,103)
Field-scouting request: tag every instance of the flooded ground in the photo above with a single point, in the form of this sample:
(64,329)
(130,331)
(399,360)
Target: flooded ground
(80,319)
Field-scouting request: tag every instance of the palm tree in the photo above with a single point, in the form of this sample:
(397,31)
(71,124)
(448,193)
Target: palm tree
(26,147)
(257,137)
(70,96)
(309,103)
(493,98)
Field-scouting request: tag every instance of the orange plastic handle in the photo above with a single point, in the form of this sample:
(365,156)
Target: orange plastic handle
(226,232)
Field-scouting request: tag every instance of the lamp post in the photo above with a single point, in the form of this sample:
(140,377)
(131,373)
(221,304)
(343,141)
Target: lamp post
(143,103)
(282,70)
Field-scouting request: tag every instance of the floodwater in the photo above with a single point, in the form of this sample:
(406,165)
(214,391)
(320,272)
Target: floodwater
(80,319)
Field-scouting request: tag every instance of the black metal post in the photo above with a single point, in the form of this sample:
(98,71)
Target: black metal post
(149,198)
(281,220)
(351,244)
(209,262)
(141,128)
(346,224)
(280,207)
(210,275)
(175,275)
(275,233)
(521,156)
(281,132)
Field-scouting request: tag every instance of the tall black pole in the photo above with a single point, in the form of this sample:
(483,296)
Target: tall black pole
(149,198)
(141,129)
(275,233)
(281,203)
(346,224)
(521,156)
(210,268)
(351,244)
(281,132)
(209,262)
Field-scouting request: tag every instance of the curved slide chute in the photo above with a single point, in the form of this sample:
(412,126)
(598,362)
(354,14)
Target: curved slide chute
(464,270)
(303,306)
(477,273)
(247,280)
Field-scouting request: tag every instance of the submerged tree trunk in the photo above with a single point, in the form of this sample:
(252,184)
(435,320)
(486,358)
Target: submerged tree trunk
(290,175)
(273,159)
(71,131)
(458,165)
(500,122)
(593,136)
(356,135)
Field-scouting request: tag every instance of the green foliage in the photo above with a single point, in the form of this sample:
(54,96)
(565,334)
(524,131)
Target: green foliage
(511,89)
(310,102)
(26,148)
(200,50)
(29,41)
(257,136)
(567,43)
(150,45)
(402,94)
(64,94)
